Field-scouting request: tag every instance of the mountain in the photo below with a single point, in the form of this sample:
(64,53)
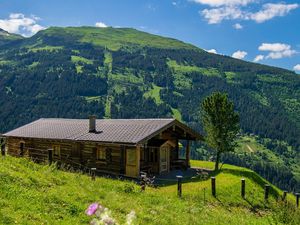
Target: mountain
(125,73)
(42,194)
(6,37)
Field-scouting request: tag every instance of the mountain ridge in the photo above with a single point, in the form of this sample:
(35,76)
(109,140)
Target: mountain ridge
(6,37)
(54,30)
(51,30)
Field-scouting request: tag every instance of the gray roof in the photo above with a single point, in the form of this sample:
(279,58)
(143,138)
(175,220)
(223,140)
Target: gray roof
(131,131)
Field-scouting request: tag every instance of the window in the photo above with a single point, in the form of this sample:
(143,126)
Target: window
(101,153)
(56,150)
(131,157)
(75,150)
(108,154)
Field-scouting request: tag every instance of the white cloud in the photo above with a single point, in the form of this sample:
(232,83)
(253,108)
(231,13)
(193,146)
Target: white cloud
(239,54)
(258,58)
(214,51)
(283,54)
(20,24)
(216,3)
(232,10)
(277,50)
(274,47)
(100,24)
(217,15)
(297,67)
(35,28)
(237,26)
(270,10)
(16,15)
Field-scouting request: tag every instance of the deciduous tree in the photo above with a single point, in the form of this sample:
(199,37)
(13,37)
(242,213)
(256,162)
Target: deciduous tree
(221,124)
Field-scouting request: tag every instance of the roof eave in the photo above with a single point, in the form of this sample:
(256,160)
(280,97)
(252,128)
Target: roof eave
(75,140)
(198,137)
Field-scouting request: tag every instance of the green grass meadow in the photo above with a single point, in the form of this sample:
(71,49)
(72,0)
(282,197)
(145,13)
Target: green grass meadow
(40,194)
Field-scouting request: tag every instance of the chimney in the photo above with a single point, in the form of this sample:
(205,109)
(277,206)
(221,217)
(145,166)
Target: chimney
(92,122)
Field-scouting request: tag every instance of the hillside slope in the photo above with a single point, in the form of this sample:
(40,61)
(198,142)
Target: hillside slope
(6,37)
(125,73)
(37,194)
(111,62)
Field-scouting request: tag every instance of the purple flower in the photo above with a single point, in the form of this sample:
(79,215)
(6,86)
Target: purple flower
(92,209)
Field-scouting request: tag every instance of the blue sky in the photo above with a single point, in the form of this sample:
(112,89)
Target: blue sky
(267,30)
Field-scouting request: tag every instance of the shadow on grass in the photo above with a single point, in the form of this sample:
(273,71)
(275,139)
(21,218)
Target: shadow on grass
(188,176)
(199,177)
(254,207)
(254,177)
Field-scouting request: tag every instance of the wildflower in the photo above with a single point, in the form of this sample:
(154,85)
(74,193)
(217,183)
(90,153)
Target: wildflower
(101,209)
(107,220)
(103,215)
(130,217)
(95,222)
(92,209)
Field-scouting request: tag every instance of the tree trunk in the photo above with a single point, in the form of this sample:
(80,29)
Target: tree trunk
(217,161)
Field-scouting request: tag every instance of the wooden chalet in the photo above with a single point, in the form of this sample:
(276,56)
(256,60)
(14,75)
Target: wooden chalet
(113,146)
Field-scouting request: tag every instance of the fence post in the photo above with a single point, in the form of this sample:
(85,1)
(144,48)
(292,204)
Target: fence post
(297,199)
(213,186)
(21,149)
(243,188)
(267,190)
(50,156)
(179,186)
(93,174)
(143,182)
(3,150)
(284,194)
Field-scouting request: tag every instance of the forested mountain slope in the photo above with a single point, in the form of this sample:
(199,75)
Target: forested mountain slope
(6,37)
(124,73)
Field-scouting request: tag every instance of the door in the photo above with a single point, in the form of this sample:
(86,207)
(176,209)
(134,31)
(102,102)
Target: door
(132,162)
(164,162)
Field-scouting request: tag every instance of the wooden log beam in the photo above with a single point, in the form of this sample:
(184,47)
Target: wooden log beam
(138,158)
(187,153)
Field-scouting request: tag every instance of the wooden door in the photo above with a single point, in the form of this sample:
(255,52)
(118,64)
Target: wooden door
(164,159)
(132,162)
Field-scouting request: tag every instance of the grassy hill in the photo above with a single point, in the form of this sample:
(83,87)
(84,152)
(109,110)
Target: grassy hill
(114,39)
(39,194)
(6,37)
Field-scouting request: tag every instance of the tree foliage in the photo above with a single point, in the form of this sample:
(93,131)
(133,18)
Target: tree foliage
(221,124)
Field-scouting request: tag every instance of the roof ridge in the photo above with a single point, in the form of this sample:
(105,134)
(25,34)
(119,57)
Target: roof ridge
(106,119)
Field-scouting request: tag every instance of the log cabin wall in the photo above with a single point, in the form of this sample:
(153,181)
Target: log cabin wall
(113,162)
(14,148)
(77,154)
